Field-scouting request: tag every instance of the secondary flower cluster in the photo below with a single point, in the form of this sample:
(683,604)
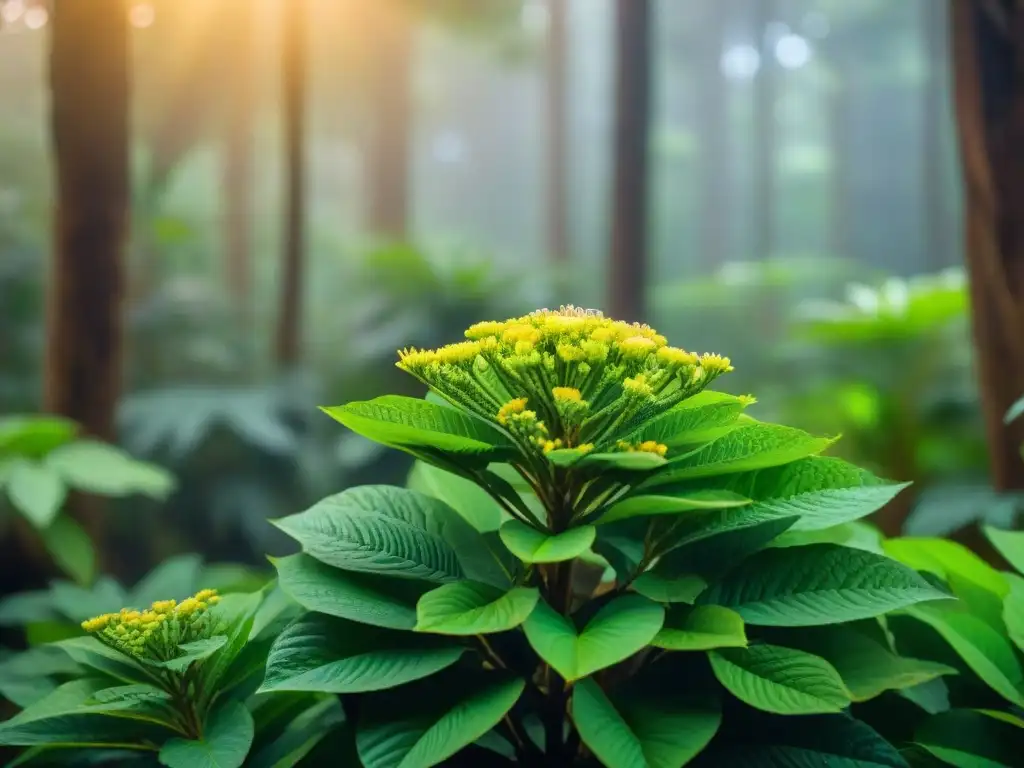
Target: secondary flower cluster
(568,378)
(156,632)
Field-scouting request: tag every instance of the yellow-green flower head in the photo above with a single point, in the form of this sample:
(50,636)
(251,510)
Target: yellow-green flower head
(647,446)
(586,377)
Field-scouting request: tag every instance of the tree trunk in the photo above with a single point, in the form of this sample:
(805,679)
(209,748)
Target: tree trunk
(295,28)
(628,257)
(937,236)
(390,93)
(989,91)
(765,135)
(89,123)
(559,248)
(714,142)
(237,179)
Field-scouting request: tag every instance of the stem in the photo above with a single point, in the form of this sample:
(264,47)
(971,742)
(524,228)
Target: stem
(560,598)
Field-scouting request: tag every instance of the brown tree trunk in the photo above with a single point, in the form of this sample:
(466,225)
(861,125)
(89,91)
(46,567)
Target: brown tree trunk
(295,29)
(627,267)
(391,37)
(89,124)
(237,179)
(988,54)
(559,249)
(765,135)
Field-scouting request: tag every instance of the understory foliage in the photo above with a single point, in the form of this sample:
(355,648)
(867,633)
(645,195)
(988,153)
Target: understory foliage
(598,561)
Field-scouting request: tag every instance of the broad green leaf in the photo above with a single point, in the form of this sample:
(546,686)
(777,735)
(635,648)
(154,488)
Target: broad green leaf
(301,736)
(471,608)
(378,601)
(856,535)
(225,743)
(423,724)
(625,461)
(533,546)
(126,695)
(23,608)
(668,589)
(64,717)
(621,628)
(409,422)
(815,741)
(331,655)
(1013,609)
(237,612)
(780,680)
(79,603)
(90,652)
(985,650)
(29,676)
(467,498)
(483,556)
(863,659)
(36,491)
(175,576)
(655,728)
(967,738)
(972,580)
(95,467)
(1010,545)
(659,504)
(35,435)
(701,629)
(378,529)
(704,417)
(818,584)
(195,651)
(71,549)
(753,445)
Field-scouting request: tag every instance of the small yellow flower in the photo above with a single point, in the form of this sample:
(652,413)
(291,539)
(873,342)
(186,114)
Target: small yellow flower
(713,363)
(512,406)
(566,394)
(638,386)
(676,356)
(637,346)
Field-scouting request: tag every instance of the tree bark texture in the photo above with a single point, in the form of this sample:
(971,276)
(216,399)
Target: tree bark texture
(628,258)
(988,54)
(295,29)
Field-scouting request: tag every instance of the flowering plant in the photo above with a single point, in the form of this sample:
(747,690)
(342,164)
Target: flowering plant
(601,560)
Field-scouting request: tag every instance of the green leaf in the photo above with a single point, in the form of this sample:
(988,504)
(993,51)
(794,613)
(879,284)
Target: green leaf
(1013,609)
(71,549)
(31,675)
(471,608)
(657,728)
(856,535)
(817,584)
(816,741)
(301,736)
(626,461)
(95,467)
(238,614)
(620,629)
(90,652)
(175,576)
(36,491)
(477,507)
(331,655)
(34,436)
(667,589)
(379,529)
(753,445)
(423,724)
(225,743)
(664,504)
(985,650)
(780,680)
(378,601)
(968,738)
(704,417)
(861,655)
(79,603)
(195,651)
(1010,545)
(701,629)
(407,422)
(533,546)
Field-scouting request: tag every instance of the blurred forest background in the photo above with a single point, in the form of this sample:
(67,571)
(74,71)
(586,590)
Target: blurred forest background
(240,209)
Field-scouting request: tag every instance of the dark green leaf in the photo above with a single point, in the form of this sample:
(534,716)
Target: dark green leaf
(973,739)
(96,467)
(301,736)
(225,743)
(195,651)
(657,504)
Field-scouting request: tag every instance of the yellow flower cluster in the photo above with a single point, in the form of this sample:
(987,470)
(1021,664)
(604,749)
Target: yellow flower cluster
(585,377)
(647,446)
(156,632)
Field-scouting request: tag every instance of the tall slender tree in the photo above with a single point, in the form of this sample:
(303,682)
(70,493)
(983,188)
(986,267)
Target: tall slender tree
(627,268)
(89,79)
(988,54)
(556,93)
(294,57)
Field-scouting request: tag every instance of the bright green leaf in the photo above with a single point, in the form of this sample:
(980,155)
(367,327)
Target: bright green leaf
(780,680)
(174,576)
(95,467)
(624,461)
(34,436)
(817,584)
(668,589)
(621,628)
(471,608)
(36,491)
(1009,543)
(533,546)
(467,498)
(1013,609)
(654,728)
(331,655)
(71,549)
(658,504)
(379,529)
(701,629)
(195,651)
(90,652)
(704,417)
(378,601)
(225,743)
